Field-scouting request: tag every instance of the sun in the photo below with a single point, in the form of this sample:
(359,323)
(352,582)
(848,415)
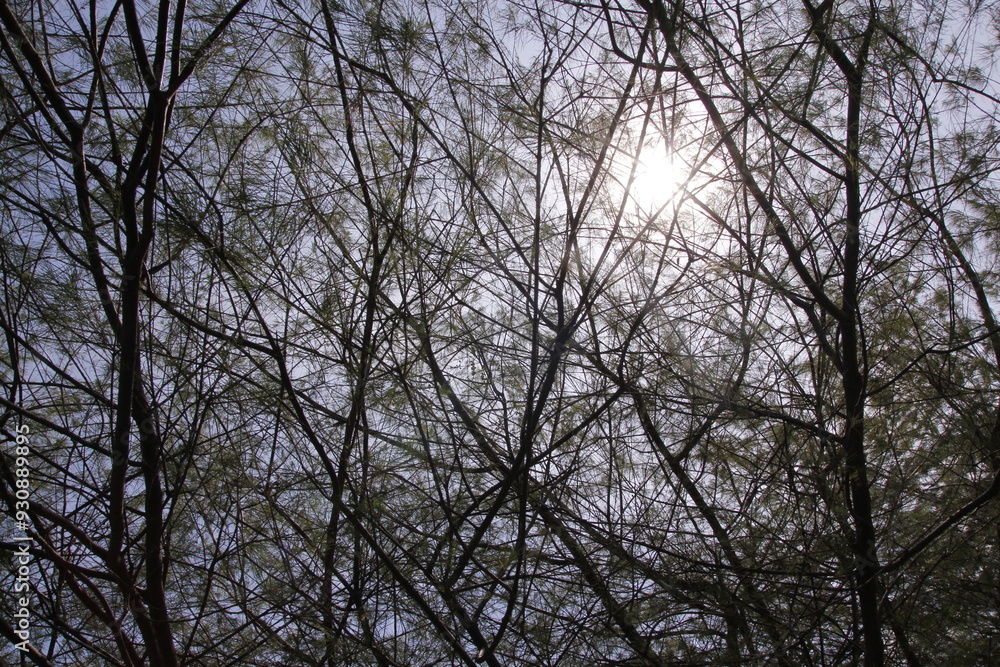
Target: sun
(658,179)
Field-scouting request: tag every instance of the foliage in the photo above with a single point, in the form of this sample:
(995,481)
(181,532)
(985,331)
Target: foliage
(353,333)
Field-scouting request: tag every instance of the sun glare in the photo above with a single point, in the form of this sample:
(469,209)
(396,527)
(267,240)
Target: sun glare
(657,180)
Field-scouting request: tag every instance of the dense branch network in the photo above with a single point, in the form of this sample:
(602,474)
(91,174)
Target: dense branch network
(404,333)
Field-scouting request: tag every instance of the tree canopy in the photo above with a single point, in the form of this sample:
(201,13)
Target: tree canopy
(411,332)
